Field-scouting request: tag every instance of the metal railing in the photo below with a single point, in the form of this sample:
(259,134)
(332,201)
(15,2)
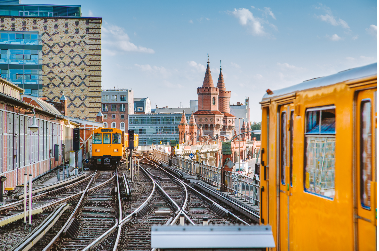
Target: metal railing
(242,186)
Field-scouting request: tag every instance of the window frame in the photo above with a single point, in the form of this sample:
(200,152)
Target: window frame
(319,135)
(101,139)
(361,187)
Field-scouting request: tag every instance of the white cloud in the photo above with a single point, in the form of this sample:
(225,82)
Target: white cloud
(334,37)
(258,76)
(155,70)
(196,66)
(115,39)
(90,13)
(287,66)
(235,65)
(330,18)
(372,30)
(268,11)
(190,21)
(246,18)
(355,37)
(171,85)
(207,19)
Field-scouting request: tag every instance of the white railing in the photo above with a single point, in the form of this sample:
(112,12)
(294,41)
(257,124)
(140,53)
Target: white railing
(242,186)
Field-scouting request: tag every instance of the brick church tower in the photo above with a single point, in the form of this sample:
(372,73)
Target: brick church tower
(183,130)
(213,117)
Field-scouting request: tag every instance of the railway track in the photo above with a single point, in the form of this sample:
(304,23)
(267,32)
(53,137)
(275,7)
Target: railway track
(116,214)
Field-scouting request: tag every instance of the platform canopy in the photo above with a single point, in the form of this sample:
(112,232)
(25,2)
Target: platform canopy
(236,237)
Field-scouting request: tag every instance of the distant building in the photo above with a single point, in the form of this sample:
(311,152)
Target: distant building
(156,128)
(50,50)
(142,105)
(241,110)
(116,105)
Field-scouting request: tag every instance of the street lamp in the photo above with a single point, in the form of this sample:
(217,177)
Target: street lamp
(34,127)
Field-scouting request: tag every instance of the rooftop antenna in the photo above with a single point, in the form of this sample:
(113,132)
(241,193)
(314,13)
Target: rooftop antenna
(220,65)
(208,57)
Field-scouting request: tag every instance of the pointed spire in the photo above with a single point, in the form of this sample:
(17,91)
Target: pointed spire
(208,81)
(192,120)
(220,83)
(243,124)
(184,120)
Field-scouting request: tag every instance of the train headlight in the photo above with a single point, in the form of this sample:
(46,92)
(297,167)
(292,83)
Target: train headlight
(115,150)
(97,150)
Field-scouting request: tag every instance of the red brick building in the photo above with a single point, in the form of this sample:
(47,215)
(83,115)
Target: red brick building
(213,115)
(116,105)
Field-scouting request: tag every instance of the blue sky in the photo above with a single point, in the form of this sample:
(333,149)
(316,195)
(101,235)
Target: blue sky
(159,48)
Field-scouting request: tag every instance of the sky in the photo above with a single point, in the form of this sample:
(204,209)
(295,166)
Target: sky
(159,48)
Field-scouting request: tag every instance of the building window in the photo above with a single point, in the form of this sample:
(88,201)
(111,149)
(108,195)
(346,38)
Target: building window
(105,97)
(214,100)
(113,125)
(113,108)
(320,146)
(114,98)
(113,116)
(122,126)
(105,124)
(122,108)
(122,116)
(122,97)
(105,116)
(104,107)
(139,109)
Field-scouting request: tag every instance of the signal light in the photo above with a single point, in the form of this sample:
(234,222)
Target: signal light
(115,150)
(97,150)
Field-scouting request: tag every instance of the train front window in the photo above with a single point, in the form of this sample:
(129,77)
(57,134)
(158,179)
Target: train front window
(116,138)
(97,138)
(365,153)
(320,143)
(106,138)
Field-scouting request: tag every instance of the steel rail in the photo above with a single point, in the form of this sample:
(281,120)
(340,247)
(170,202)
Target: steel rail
(13,204)
(56,184)
(48,246)
(181,210)
(120,223)
(209,199)
(42,229)
(101,238)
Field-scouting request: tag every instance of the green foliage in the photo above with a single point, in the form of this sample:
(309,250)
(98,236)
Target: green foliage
(256,126)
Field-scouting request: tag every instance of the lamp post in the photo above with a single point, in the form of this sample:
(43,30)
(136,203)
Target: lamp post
(33,128)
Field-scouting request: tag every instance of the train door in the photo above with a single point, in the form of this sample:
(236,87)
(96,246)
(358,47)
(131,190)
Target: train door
(285,180)
(366,170)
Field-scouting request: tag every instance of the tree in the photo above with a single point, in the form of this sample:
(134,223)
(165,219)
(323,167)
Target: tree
(256,126)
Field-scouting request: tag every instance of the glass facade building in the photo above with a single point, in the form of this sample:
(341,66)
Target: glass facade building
(21,59)
(40,10)
(156,128)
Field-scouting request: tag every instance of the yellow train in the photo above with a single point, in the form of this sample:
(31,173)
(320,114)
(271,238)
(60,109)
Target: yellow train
(109,147)
(318,162)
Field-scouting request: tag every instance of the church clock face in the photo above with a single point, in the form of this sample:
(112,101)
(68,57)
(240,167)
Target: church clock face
(200,120)
(206,119)
(211,120)
(229,121)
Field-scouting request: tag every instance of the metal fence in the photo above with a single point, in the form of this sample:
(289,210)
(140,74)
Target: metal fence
(242,186)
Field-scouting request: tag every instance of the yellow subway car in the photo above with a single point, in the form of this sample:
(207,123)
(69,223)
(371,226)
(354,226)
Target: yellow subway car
(318,162)
(108,147)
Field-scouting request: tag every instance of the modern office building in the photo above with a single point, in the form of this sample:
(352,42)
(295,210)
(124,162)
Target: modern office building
(156,128)
(242,111)
(50,50)
(116,105)
(142,105)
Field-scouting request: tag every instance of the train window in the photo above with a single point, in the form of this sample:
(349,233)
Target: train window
(283,150)
(106,138)
(116,138)
(97,138)
(365,153)
(325,117)
(320,151)
(291,145)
